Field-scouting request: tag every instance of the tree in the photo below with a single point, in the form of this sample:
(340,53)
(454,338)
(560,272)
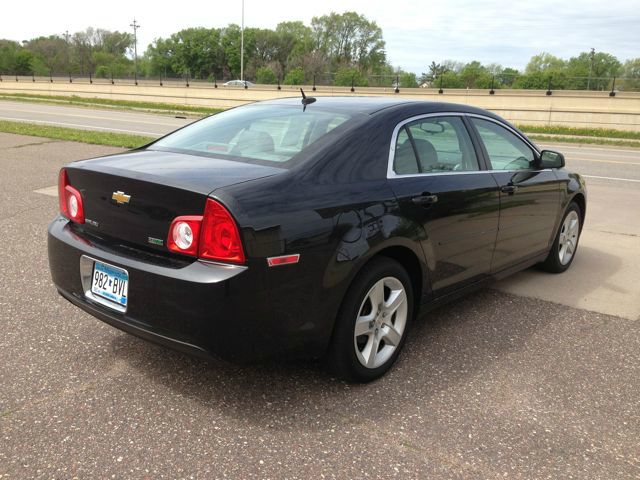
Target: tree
(544,62)
(8,51)
(49,54)
(407,79)
(294,77)
(508,76)
(474,75)
(345,76)
(533,81)
(349,39)
(196,51)
(230,42)
(631,74)
(593,70)
(432,73)
(23,60)
(82,47)
(161,56)
(266,76)
(449,79)
(296,40)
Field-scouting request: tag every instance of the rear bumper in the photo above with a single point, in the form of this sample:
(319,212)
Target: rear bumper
(206,309)
(115,320)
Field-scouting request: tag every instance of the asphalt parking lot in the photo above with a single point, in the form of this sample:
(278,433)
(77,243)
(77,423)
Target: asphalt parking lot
(537,377)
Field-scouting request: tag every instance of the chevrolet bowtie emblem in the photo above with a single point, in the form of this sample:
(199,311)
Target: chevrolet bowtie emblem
(120,197)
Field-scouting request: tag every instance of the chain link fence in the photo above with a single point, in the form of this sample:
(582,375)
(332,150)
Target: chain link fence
(491,83)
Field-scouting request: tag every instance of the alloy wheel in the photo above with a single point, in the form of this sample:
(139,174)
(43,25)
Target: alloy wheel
(568,240)
(381,322)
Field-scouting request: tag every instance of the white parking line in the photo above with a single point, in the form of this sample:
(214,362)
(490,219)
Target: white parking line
(612,178)
(51,191)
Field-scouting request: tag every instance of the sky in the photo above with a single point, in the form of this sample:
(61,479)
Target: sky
(416,32)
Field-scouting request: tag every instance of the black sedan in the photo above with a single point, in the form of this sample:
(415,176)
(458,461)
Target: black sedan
(319,229)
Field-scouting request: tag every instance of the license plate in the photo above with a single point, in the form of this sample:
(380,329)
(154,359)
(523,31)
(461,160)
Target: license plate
(109,282)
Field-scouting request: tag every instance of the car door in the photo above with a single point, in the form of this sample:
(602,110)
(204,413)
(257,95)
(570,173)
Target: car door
(529,196)
(436,175)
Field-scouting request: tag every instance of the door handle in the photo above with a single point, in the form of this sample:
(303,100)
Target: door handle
(425,200)
(510,189)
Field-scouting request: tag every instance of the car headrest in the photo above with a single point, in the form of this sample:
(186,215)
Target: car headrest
(404,161)
(254,141)
(426,152)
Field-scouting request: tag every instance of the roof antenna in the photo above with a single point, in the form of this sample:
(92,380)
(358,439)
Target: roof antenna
(306,100)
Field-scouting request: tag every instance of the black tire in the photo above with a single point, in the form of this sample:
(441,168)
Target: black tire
(342,355)
(553,263)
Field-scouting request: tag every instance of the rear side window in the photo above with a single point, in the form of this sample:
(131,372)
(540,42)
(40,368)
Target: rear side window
(272,134)
(432,145)
(506,151)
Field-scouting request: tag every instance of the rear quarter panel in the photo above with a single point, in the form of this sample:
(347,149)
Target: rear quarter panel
(335,216)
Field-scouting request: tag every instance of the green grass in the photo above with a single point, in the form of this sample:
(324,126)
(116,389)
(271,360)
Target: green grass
(583,140)
(580,132)
(106,102)
(122,140)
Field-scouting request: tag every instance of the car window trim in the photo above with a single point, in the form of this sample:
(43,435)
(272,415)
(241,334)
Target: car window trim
(475,140)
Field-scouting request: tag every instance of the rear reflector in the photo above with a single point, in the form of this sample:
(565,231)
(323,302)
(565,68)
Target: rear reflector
(283,260)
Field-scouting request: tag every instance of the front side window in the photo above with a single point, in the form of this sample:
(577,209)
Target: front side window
(506,151)
(266,134)
(434,145)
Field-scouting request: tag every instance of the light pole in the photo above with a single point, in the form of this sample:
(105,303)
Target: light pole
(66,41)
(135,26)
(242,45)
(591,55)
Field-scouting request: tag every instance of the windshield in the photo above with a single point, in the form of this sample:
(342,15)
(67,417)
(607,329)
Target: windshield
(267,133)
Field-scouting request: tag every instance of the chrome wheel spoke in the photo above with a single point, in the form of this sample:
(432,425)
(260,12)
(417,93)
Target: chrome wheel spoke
(371,351)
(376,295)
(395,300)
(573,229)
(363,325)
(391,336)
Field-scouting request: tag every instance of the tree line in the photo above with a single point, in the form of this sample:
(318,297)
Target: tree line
(93,51)
(337,49)
(348,44)
(586,71)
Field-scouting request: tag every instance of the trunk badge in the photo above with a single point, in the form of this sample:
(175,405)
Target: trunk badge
(120,197)
(155,241)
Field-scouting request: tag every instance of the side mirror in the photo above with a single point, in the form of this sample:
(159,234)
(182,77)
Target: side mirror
(551,159)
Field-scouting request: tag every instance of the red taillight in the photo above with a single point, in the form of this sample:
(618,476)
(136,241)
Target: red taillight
(69,199)
(213,236)
(219,237)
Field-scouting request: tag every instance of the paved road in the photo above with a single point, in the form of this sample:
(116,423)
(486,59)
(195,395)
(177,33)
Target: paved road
(153,125)
(535,378)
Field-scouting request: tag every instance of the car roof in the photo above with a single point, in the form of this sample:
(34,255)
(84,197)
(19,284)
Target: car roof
(372,105)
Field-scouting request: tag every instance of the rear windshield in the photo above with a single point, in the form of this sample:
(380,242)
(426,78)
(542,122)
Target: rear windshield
(266,133)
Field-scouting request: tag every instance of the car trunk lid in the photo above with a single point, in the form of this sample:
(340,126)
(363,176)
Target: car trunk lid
(133,197)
